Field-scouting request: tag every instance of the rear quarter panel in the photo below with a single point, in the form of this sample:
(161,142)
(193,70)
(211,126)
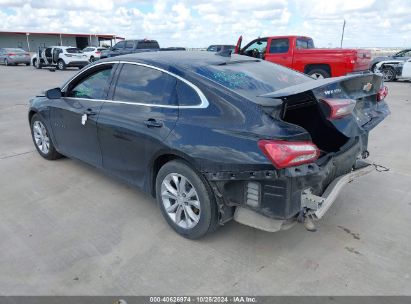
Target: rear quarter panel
(338,60)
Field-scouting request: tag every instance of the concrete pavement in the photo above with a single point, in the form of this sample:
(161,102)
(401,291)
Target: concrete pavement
(68,229)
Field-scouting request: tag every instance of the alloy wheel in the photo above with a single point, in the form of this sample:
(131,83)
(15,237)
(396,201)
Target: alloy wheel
(388,74)
(180,200)
(317,76)
(41,137)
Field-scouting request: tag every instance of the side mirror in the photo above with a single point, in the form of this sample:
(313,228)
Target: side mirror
(53,93)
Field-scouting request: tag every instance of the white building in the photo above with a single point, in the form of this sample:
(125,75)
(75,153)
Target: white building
(31,41)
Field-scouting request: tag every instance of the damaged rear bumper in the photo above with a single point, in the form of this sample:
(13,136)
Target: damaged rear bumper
(271,200)
(316,206)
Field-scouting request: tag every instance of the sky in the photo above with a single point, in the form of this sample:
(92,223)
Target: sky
(199,23)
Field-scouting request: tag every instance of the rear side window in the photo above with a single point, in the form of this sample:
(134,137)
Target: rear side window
(149,44)
(119,45)
(304,43)
(129,44)
(279,46)
(187,96)
(145,85)
(93,86)
(73,50)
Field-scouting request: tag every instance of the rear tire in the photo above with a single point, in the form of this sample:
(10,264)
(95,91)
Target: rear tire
(61,65)
(27,64)
(188,205)
(318,74)
(92,59)
(389,74)
(41,139)
(6,62)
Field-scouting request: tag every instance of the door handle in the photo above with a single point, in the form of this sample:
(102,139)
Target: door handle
(152,123)
(89,112)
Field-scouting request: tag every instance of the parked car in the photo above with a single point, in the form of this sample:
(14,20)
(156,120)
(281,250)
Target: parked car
(93,52)
(394,69)
(220,47)
(299,53)
(403,55)
(14,56)
(60,57)
(215,138)
(131,46)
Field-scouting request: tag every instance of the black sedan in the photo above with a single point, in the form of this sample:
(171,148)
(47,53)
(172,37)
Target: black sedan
(215,138)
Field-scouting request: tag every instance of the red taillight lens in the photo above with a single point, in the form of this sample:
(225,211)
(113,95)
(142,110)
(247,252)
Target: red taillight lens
(285,154)
(382,93)
(98,53)
(11,54)
(339,107)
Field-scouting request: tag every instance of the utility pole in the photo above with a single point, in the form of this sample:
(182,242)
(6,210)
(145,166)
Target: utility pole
(28,43)
(342,35)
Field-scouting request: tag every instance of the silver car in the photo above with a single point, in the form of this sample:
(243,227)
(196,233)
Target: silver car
(14,56)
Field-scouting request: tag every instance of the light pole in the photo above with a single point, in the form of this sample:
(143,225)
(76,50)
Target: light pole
(28,43)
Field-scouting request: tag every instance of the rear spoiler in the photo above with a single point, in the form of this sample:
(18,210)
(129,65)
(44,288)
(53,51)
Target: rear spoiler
(355,85)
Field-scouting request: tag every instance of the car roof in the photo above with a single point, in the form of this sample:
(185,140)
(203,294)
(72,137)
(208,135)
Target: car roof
(140,40)
(62,47)
(178,60)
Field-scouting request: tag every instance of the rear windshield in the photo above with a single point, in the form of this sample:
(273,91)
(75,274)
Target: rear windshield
(252,78)
(148,45)
(73,51)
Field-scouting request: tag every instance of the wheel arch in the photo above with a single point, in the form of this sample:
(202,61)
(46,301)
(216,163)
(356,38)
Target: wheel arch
(31,114)
(160,160)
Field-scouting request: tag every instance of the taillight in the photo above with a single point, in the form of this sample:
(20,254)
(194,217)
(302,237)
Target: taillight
(98,53)
(382,93)
(11,54)
(285,154)
(339,107)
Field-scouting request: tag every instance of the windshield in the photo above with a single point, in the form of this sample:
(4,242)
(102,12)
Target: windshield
(73,51)
(251,78)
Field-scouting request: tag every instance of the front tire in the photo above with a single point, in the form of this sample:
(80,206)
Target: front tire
(61,65)
(186,200)
(42,140)
(389,74)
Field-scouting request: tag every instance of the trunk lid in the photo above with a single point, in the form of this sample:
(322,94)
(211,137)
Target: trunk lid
(362,88)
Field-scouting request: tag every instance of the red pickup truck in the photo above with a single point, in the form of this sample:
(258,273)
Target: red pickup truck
(299,53)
